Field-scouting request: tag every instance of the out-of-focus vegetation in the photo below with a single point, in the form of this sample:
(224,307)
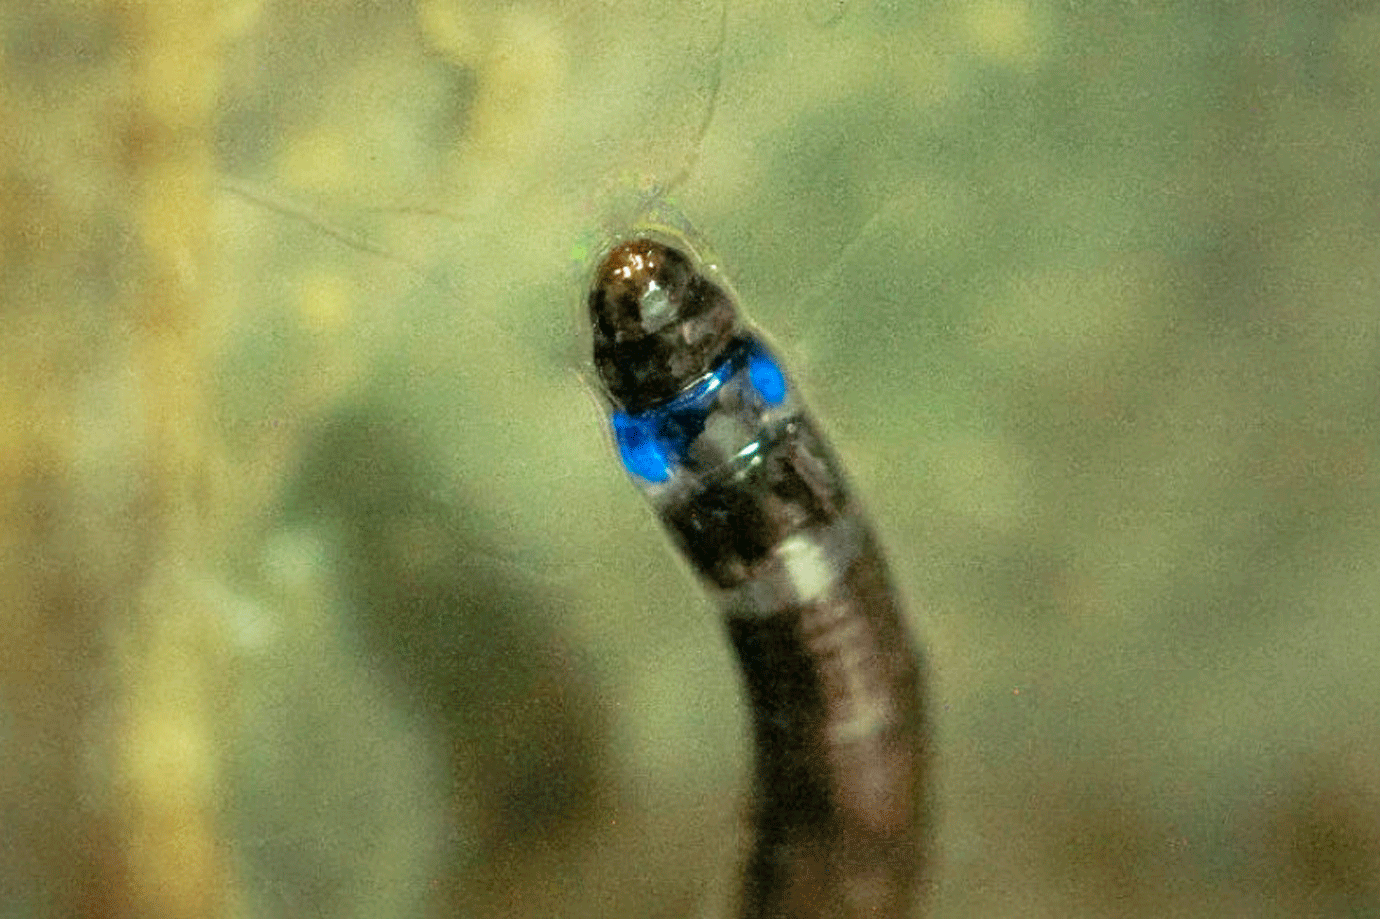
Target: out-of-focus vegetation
(322,593)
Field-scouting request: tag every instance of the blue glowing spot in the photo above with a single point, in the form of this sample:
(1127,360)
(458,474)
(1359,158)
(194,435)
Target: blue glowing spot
(766,377)
(643,454)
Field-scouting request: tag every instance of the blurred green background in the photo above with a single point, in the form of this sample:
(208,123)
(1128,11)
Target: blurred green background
(1086,295)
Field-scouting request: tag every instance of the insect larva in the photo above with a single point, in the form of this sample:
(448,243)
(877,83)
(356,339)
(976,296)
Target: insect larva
(714,435)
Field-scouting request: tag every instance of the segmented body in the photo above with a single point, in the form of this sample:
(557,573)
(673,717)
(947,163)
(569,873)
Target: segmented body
(716,438)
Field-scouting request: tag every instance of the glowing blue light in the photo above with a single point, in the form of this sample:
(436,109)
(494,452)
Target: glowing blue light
(766,377)
(642,453)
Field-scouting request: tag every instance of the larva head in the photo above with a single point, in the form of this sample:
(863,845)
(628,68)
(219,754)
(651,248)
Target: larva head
(659,323)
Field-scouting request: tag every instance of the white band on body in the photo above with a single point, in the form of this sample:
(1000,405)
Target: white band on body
(800,570)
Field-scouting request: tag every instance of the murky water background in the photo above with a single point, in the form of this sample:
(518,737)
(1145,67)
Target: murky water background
(324,593)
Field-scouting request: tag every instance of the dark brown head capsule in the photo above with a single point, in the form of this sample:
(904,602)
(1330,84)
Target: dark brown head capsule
(659,323)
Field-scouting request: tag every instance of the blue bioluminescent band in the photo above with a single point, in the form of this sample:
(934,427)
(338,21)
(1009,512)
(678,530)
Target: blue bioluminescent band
(652,443)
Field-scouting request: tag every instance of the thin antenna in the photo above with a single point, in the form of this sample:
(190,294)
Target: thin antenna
(715,82)
(296,211)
